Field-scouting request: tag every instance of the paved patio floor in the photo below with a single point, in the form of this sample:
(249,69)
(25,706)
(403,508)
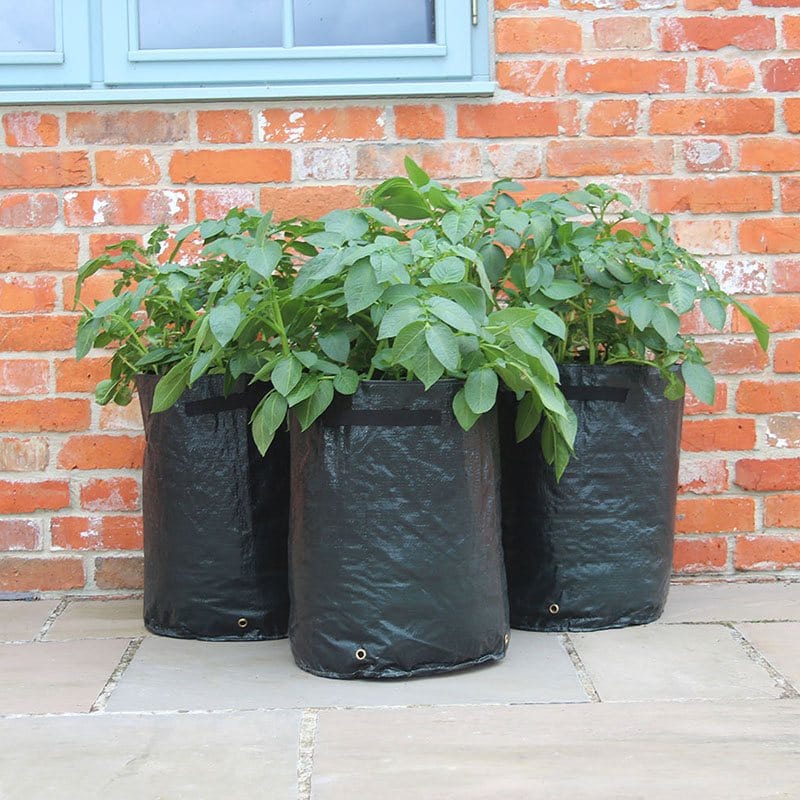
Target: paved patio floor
(703,704)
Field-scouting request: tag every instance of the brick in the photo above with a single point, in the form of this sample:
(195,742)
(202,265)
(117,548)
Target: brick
(110,494)
(786,275)
(25,497)
(98,242)
(23,455)
(783,430)
(791,33)
(346,124)
(704,236)
(30,252)
(43,170)
(126,207)
(52,414)
(95,288)
(308,201)
(777,3)
(787,356)
(509,120)
(781,75)
(46,574)
(770,235)
(733,357)
(770,155)
(730,115)
(718,75)
(24,376)
(101,452)
(791,114)
(127,127)
(519,5)
(529,78)
(715,515)
(622,33)
(28,210)
(781,314)
(626,76)
(632,157)
(418,122)
(80,376)
(714,33)
(119,572)
(96,533)
(126,167)
(20,534)
(457,160)
(703,477)
(696,556)
(38,332)
(616,5)
(766,553)
(790,194)
(711,195)
(228,126)
(763,397)
(537,35)
(31,129)
(121,418)
(693,406)
(313,163)
(711,5)
(231,166)
(215,203)
(517,160)
(694,322)
(782,511)
(718,434)
(740,276)
(771,475)
(613,118)
(707,155)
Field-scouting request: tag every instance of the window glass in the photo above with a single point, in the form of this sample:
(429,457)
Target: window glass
(343,22)
(183,24)
(27,27)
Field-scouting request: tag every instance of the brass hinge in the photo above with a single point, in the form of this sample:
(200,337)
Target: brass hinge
(474,12)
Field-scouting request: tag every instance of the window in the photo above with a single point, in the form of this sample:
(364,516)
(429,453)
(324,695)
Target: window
(194,49)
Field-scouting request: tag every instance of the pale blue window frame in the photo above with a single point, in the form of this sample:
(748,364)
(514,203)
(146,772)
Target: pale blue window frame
(103,62)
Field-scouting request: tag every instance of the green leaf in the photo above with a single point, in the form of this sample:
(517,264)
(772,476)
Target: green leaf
(470,298)
(457,225)
(286,375)
(463,413)
(346,382)
(444,345)
(223,321)
(171,386)
(361,289)
(700,381)
(714,311)
(529,413)
(666,323)
(418,176)
(306,358)
(681,297)
(336,345)
(87,333)
(303,390)
(310,409)
(481,390)
(759,328)
(349,224)
(449,270)
(267,417)
(399,197)
(453,314)
(408,342)
(550,323)
(200,366)
(561,290)
(526,341)
(426,367)
(326,265)
(398,316)
(104,391)
(263,260)
(642,312)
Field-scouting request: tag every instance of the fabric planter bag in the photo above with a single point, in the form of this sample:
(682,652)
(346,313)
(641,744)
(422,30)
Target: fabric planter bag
(215,517)
(594,550)
(395,556)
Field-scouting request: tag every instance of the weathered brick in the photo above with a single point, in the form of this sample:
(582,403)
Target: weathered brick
(309,201)
(791,114)
(781,75)
(417,122)
(791,33)
(766,553)
(42,170)
(38,210)
(80,376)
(613,118)
(783,430)
(713,116)
(718,434)
(510,159)
(38,332)
(735,356)
(231,166)
(626,76)
(344,124)
(790,194)
(709,476)
(537,35)
(714,33)
(740,275)
(51,414)
(787,356)
(768,475)
(25,497)
(770,155)
(715,515)
(126,167)
(786,275)
(227,126)
(781,314)
(631,156)
(31,252)
(707,155)
(101,452)
(770,235)
(509,120)
(529,78)
(31,129)
(126,207)
(96,533)
(121,418)
(763,397)
(215,203)
(24,376)
(110,494)
(119,572)
(718,75)
(20,534)
(704,236)
(313,163)
(375,161)
(693,406)
(127,127)
(622,33)
(782,511)
(696,556)
(711,5)
(46,574)
(711,195)
(23,455)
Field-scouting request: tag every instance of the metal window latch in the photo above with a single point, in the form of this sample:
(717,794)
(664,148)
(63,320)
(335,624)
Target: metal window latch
(474,12)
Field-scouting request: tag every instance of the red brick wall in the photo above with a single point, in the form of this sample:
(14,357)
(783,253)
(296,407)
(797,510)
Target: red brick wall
(692,107)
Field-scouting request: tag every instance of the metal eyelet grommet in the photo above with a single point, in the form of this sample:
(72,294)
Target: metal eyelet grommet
(554,609)
(242,623)
(361,654)
(506,639)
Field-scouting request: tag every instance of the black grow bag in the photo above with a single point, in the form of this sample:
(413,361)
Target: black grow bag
(595,550)
(215,517)
(396,565)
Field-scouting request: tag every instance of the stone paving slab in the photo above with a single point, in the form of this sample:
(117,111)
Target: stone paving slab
(236,756)
(181,675)
(672,662)
(779,643)
(99,619)
(56,677)
(653,751)
(733,602)
(22,620)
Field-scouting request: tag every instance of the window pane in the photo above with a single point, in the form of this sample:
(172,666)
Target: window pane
(181,24)
(337,22)
(27,26)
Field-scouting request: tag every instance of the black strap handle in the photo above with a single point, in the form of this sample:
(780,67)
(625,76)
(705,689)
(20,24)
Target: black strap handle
(380,418)
(216,405)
